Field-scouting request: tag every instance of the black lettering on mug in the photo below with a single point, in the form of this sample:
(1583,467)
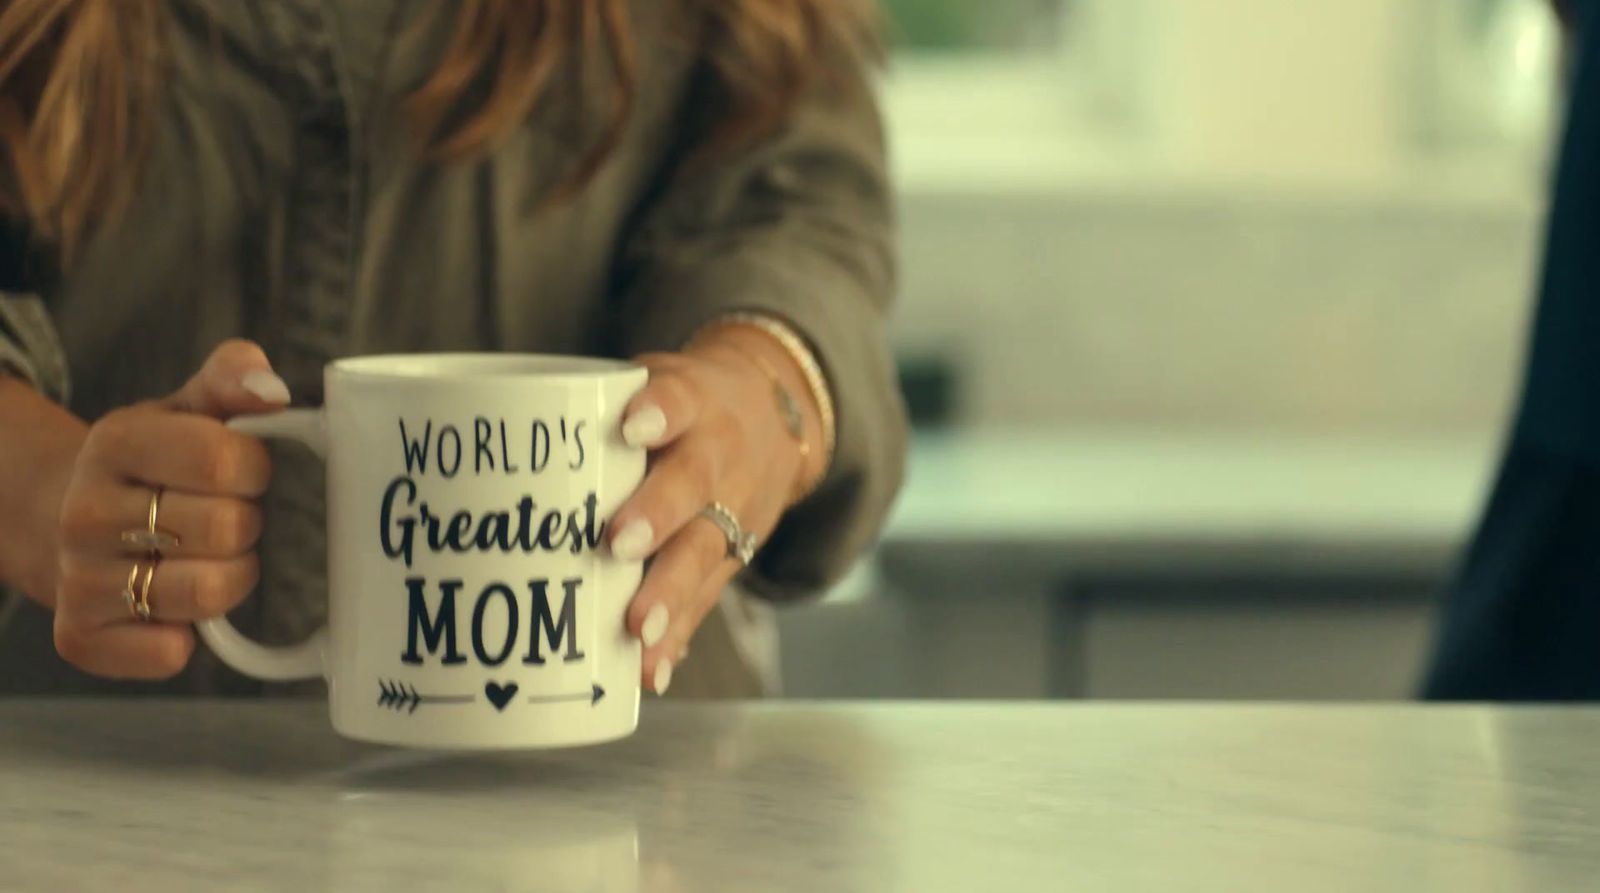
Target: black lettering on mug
(455,539)
(407,525)
(416,451)
(441,627)
(449,469)
(539,447)
(525,508)
(564,628)
(593,527)
(494,532)
(551,531)
(505,450)
(510,598)
(577,439)
(482,450)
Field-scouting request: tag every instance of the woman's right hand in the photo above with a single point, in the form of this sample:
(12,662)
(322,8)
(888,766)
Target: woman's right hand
(209,478)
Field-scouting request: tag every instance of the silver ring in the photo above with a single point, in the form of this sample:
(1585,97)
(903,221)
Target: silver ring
(741,545)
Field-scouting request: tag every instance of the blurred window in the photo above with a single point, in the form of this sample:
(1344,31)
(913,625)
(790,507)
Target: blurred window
(1489,77)
(991,90)
(990,94)
(967,26)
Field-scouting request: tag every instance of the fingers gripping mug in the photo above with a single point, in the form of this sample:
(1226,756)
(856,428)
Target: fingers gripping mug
(472,601)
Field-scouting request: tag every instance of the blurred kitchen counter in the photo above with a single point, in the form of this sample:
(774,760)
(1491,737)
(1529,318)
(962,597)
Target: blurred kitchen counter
(1127,564)
(1093,502)
(164,796)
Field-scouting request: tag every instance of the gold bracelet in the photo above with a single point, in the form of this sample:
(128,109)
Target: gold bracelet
(810,370)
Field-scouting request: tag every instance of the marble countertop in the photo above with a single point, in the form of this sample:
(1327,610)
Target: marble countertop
(168,796)
(1108,501)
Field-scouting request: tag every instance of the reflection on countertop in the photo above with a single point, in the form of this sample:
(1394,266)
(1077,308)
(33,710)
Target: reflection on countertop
(161,796)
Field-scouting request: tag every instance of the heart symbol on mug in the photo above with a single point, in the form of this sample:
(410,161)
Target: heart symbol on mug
(500,695)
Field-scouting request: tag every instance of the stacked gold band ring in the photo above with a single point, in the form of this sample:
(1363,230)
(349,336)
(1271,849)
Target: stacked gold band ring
(151,540)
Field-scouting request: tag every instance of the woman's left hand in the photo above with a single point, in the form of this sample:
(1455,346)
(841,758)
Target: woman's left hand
(716,435)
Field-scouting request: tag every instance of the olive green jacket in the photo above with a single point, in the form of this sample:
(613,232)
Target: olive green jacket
(284,201)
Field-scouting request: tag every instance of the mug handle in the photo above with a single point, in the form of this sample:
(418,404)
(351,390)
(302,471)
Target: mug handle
(306,660)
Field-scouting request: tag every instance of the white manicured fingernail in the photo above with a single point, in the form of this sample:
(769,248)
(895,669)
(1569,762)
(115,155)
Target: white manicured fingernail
(663,677)
(654,626)
(632,542)
(645,427)
(270,388)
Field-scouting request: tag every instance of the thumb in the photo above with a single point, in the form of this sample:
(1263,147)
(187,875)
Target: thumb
(237,379)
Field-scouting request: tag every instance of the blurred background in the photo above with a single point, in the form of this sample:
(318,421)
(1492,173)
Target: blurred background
(1212,316)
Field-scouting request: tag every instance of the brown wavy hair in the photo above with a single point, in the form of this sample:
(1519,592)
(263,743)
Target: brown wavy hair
(79,80)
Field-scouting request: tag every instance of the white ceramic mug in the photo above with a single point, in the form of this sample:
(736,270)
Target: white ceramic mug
(472,600)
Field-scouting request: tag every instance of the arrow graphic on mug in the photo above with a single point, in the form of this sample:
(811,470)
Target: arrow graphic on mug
(404,698)
(593,696)
(399,696)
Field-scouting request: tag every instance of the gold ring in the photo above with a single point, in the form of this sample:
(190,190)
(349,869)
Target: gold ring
(142,610)
(137,597)
(129,595)
(151,540)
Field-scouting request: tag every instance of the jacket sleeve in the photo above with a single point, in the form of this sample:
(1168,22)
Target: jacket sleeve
(29,348)
(797,226)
